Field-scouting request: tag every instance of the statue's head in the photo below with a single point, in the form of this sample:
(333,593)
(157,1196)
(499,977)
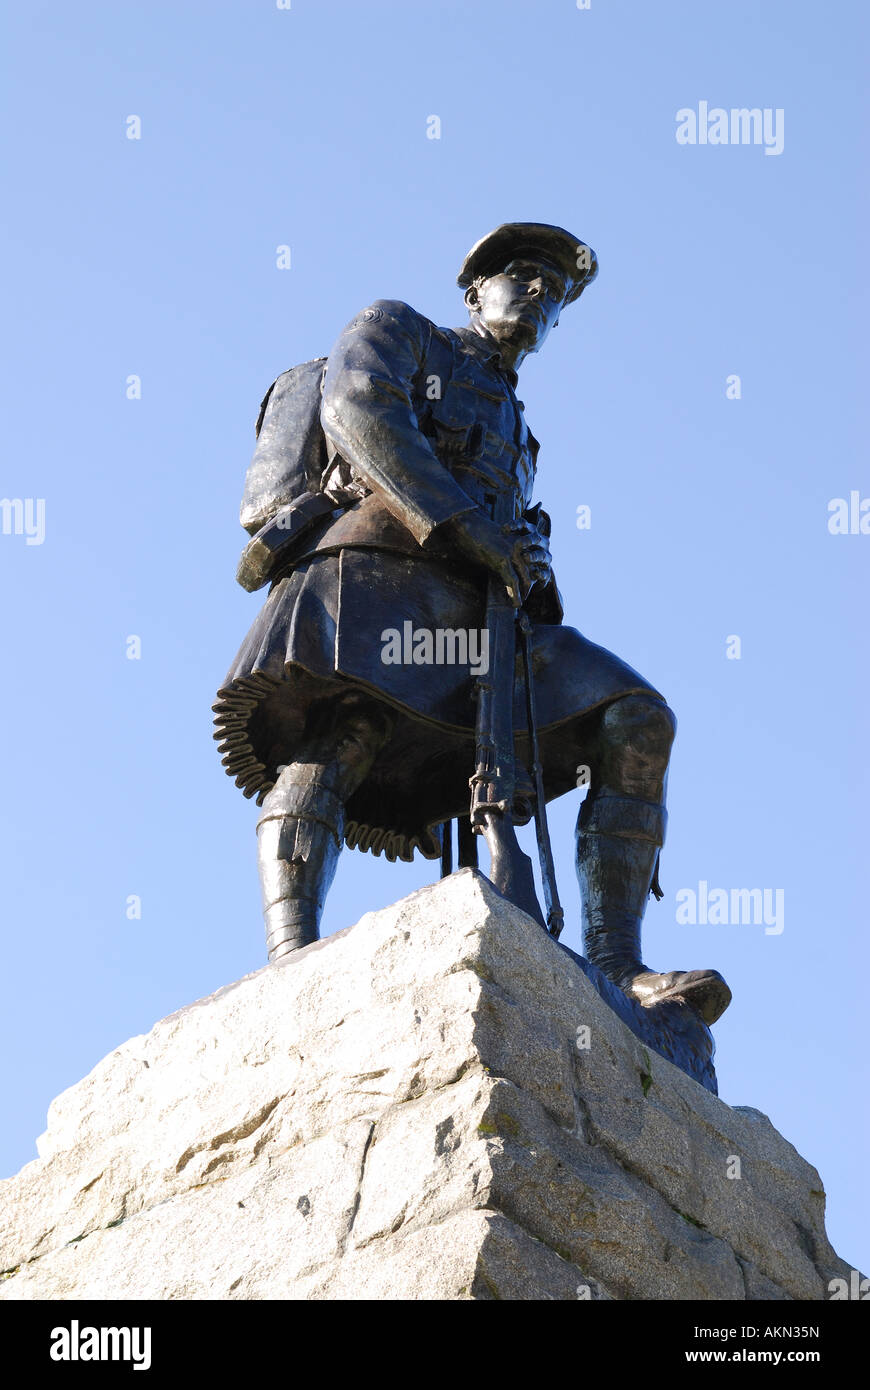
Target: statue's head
(518,279)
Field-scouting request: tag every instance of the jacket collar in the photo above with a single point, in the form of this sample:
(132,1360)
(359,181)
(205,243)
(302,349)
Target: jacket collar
(487,349)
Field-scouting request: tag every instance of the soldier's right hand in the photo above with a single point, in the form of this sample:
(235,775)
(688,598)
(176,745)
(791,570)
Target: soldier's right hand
(505,553)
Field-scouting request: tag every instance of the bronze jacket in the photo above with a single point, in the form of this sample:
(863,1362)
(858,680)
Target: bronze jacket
(423,423)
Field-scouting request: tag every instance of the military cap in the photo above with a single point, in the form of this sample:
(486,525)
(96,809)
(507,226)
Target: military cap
(493,252)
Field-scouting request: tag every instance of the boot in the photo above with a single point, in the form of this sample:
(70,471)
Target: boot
(299,838)
(301,829)
(618,844)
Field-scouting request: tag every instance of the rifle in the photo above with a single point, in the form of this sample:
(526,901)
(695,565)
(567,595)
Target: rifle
(555,915)
(494,780)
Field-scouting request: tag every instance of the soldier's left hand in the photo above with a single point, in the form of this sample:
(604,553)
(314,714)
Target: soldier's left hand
(533,562)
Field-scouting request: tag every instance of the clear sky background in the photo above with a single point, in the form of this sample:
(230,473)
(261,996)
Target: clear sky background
(157,257)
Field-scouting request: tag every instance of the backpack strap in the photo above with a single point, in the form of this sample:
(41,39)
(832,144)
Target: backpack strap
(439,360)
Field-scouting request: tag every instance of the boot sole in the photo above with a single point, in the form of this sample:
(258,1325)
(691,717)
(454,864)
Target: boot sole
(709,997)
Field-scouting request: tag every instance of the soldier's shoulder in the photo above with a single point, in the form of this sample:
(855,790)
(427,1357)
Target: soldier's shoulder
(390,312)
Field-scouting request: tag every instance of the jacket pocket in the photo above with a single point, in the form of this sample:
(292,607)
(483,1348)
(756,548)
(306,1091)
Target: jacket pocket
(450,425)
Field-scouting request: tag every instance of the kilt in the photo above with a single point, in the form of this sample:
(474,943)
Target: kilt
(333,625)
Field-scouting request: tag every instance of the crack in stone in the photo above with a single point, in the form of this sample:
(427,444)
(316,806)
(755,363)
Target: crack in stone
(628,1167)
(234,1135)
(359,1183)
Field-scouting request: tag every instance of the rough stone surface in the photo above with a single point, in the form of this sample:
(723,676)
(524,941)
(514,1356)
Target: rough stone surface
(403,1112)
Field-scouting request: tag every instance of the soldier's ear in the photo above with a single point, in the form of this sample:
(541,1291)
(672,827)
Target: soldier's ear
(472,298)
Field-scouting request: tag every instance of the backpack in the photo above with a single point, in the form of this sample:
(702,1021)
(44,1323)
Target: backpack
(293,462)
(282,498)
(290,455)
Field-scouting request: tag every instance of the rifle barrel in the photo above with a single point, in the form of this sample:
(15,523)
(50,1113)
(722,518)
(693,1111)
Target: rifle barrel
(555,914)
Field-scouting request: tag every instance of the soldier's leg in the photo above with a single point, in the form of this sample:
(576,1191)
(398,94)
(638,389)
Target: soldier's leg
(620,831)
(301,826)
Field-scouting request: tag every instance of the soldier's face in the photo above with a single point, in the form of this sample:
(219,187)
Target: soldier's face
(520,305)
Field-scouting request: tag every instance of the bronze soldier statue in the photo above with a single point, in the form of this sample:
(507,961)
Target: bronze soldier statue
(392,483)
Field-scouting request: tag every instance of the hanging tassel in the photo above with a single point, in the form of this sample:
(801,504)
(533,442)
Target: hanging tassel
(655,887)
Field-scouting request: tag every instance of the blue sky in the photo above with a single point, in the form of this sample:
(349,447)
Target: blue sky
(157,257)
